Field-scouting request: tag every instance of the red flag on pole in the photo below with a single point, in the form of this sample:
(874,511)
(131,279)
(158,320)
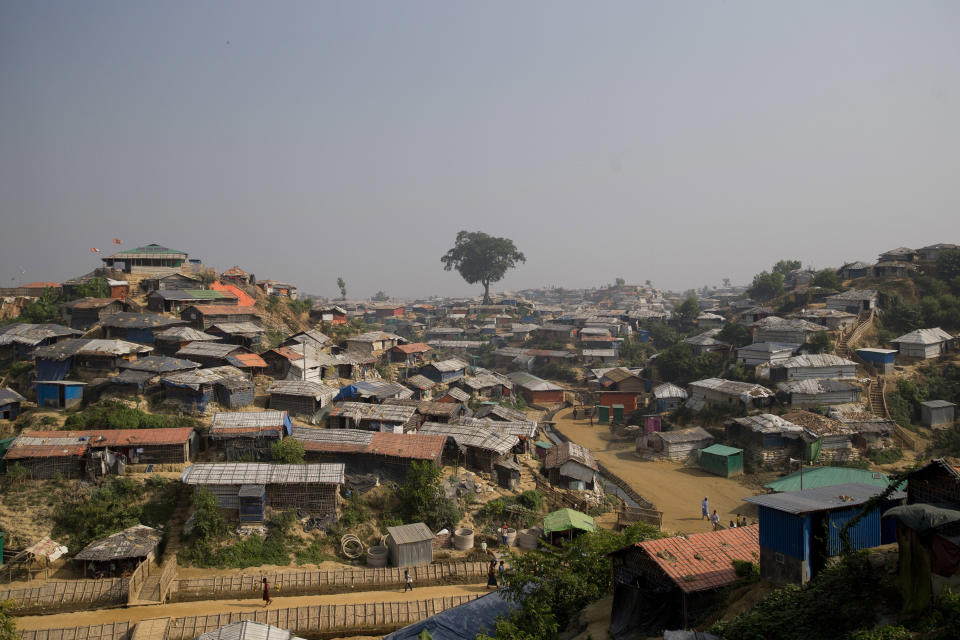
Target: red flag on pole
(94,250)
(116,241)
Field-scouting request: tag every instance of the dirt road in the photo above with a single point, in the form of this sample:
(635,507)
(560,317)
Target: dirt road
(674,489)
(207,607)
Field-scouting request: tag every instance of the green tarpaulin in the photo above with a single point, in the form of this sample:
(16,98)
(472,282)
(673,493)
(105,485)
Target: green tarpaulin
(566,519)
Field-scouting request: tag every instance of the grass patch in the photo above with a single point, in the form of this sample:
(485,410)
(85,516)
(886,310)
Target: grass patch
(113,414)
(314,553)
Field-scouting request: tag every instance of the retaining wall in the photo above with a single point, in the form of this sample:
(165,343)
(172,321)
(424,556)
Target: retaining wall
(113,631)
(67,595)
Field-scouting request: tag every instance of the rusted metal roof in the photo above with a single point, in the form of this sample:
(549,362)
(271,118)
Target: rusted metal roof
(703,561)
(415,347)
(135,542)
(246,360)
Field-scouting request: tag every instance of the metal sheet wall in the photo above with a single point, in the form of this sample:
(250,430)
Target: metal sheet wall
(863,535)
(781,532)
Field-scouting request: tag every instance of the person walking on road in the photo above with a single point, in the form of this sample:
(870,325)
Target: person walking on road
(502,569)
(407,581)
(492,575)
(715,519)
(705,509)
(266,593)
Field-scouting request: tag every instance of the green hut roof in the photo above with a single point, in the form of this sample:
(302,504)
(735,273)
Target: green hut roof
(566,519)
(721,450)
(827,477)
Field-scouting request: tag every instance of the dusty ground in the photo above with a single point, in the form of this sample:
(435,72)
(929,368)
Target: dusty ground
(674,489)
(207,607)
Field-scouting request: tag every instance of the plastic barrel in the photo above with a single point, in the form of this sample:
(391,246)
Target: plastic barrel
(463,539)
(377,556)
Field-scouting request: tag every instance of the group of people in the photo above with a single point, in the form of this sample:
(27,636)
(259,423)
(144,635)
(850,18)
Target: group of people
(714,517)
(495,574)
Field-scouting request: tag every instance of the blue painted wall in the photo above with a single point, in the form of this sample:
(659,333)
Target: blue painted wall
(782,532)
(53,369)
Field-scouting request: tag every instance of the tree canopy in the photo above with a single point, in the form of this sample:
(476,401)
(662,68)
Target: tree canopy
(342,285)
(689,309)
(482,258)
(827,278)
(948,264)
(766,285)
(784,267)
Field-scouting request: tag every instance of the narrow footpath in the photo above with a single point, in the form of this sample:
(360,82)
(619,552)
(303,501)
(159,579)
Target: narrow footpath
(209,607)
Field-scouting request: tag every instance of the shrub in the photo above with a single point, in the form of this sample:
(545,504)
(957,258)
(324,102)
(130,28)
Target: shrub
(288,451)
(885,456)
(745,569)
(423,500)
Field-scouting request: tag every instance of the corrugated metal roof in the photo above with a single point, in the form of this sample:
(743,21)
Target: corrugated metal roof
(305,388)
(816,360)
(415,347)
(407,533)
(150,251)
(815,477)
(244,329)
(768,423)
(457,394)
(98,438)
(159,364)
(498,411)
(128,320)
(262,473)
(704,561)
(183,334)
(421,382)
(209,349)
(448,366)
(817,385)
(822,498)
(223,310)
(81,346)
(9,395)
(669,390)
(935,335)
(244,421)
(478,437)
(732,387)
(362,411)
(199,377)
(519,428)
(855,295)
(33,334)
(567,451)
(721,450)
(531,382)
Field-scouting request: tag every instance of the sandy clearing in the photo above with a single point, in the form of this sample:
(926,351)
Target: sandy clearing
(207,607)
(674,489)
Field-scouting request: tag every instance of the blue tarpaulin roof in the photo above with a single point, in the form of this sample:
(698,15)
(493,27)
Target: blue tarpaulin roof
(460,623)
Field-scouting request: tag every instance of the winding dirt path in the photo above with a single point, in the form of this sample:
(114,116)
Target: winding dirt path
(676,490)
(207,607)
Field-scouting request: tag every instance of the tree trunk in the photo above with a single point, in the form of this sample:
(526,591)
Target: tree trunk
(486,292)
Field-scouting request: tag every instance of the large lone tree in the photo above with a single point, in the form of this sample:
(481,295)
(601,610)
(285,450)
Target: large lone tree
(482,258)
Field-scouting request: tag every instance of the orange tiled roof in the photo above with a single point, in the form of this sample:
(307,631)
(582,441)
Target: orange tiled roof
(415,347)
(704,560)
(419,446)
(249,360)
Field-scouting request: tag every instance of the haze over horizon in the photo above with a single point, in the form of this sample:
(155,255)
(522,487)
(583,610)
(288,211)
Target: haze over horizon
(677,142)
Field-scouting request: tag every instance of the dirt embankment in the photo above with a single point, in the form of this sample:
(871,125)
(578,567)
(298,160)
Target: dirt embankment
(674,489)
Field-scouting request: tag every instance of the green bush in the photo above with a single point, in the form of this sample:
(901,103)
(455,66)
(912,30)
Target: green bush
(883,633)
(885,456)
(745,569)
(314,553)
(113,414)
(288,451)
(422,498)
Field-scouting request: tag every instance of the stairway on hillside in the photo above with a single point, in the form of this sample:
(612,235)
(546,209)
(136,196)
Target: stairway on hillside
(877,405)
(848,338)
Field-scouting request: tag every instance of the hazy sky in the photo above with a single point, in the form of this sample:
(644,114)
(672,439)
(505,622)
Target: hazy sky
(681,142)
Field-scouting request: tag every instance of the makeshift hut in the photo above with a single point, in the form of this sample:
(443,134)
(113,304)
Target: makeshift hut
(86,312)
(722,460)
(311,487)
(678,444)
(766,438)
(571,466)
(936,414)
(668,396)
(800,530)
(410,545)
(137,327)
(169,341)
(813,365)
(421,386)
(32,561)
(373,417)
(196,389)
(210,354)
(924,344)
(18,340)
(479,448)
(300,397)
(566,524)
(536,390)
(826,440)
(660,583)
(771,353)
(59,394)
(10,404)
(90,357)
(720,392)
(818,392)
(389,454)
(47,457)
(248,435)
(119,553)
